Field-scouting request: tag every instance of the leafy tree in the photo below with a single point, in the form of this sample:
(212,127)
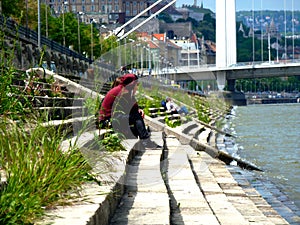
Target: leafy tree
(13,9)
(165,17)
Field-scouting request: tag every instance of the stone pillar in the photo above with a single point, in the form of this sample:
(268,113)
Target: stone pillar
(221,79)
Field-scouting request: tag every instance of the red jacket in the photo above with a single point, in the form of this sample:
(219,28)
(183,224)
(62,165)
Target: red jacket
(126,82)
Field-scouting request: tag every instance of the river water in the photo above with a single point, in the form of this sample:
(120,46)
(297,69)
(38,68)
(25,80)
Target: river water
(269,137)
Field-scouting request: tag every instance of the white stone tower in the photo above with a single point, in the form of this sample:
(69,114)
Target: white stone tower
(225,33)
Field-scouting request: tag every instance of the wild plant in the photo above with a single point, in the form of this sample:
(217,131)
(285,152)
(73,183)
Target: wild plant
(39,175)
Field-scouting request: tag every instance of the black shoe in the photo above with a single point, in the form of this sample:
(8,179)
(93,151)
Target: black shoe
(147,143)
(148,129)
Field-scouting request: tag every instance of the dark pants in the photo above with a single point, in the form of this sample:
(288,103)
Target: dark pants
(138,127)
(131,126)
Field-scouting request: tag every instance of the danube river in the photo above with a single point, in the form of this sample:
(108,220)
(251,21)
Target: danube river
(269,136)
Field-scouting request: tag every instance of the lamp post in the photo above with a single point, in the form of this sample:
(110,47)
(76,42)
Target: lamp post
(293,29)
(125,47)
(131,57)
(79,47)
(92,42)
(46,15)
(26,17)
(63,14)
(39,24)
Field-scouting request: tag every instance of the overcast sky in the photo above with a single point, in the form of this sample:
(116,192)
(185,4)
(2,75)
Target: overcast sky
(248,4)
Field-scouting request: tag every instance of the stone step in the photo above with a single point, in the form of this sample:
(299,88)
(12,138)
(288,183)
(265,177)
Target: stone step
(74,125)
(23,83)
(190,128)
(55,101)
(61,113)
(146,199)
(229,202)
(188,205)
(274,199)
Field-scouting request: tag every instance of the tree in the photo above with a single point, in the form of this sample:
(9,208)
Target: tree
(165,17)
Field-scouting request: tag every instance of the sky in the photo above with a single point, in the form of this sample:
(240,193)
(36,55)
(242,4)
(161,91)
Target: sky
(248,4)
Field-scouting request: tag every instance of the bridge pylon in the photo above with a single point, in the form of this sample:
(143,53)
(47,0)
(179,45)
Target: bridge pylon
(221,79)
(225,33)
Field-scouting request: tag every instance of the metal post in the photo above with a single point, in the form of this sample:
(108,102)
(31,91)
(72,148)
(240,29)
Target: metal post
(46,16)
(79,47)
(78,33)
(285,44)
(26,17)
(188,53)
(125,47)
(142,52)
(269,48)
(63,12)
(92,53)
(64,39)
(149,67)
(262,33)
(253,44)
(39,24)
(293,28)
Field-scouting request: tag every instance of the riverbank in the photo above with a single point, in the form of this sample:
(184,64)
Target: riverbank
(254,141)
(176,184)
(251,101)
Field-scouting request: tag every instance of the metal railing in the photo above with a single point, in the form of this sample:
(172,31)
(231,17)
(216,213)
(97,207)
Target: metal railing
(29,36)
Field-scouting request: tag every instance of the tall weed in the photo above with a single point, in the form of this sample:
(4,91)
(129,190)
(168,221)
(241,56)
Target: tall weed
(38,173)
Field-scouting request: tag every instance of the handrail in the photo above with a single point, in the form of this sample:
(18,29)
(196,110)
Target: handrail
(31,36)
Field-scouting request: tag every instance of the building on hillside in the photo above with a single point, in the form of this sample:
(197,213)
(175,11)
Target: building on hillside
(151,27)
(210,49)
(196,15)
(102,11)
(169,54)
(190,54)
(174,13)
(272,30)
(176,30)
(184,12)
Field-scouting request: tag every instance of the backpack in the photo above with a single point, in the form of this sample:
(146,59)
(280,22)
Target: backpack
(164,104)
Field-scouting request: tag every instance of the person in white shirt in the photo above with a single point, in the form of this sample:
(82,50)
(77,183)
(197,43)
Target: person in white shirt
(174,108)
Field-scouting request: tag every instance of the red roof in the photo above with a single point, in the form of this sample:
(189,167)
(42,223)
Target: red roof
(159,37)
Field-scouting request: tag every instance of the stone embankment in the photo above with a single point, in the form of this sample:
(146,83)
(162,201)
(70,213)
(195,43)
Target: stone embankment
(174,184)
(185,181)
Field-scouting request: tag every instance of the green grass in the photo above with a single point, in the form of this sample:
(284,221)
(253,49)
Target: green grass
(39,175)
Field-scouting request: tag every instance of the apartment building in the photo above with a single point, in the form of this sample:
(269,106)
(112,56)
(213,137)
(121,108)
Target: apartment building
(100,11)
